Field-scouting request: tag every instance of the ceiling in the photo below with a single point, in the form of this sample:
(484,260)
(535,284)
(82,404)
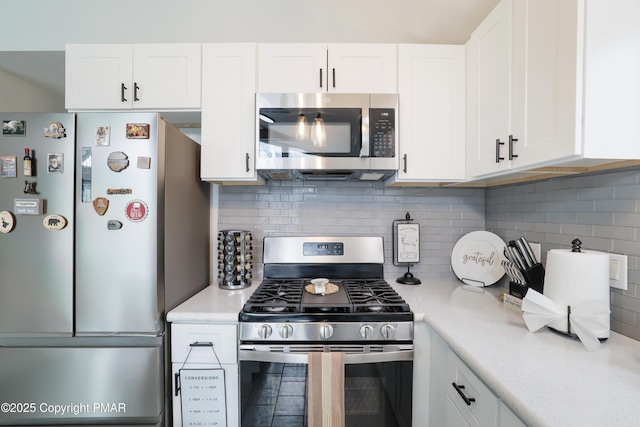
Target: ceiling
(410,21)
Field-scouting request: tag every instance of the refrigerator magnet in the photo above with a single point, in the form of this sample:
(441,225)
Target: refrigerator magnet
(8,166)
(136,210)
(14,127)
(144,162)
(114,224)
(55,162)
(103,135)
(100,205)
(7,222)
(137,131)
(54,222)
(55,130)
(118,161)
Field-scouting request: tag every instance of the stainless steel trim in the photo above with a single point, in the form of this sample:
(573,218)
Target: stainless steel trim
(300,353)
(357,249)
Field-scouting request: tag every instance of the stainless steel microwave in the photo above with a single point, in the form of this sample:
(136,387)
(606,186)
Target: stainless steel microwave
(326,135)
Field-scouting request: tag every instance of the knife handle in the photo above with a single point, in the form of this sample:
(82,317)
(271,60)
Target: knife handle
(529,250)
(528,262)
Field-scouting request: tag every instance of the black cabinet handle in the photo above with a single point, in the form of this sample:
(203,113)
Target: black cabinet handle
(459,389)
(404,159)
(176,379)
(498,144)
(122,89)
(334,77)
(247,160)
(511,141)
(135,92)
(320,77)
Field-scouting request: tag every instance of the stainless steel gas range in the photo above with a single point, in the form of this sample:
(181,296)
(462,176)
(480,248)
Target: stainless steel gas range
(364,318)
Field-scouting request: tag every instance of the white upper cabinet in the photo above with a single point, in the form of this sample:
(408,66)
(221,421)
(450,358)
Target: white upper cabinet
(572,78)
(228,112)
(488,93)
(431,91)
(319,67)
(139,76)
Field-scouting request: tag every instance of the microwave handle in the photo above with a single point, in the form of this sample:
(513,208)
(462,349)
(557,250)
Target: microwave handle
(320,77)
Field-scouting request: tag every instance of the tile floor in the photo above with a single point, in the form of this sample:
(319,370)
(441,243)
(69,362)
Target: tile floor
(277,398)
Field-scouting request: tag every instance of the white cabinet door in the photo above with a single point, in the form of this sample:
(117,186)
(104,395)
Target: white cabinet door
(228,112)
(98,76)
(218,349)
(124,76)
(292,67)
(167,76)
(431,90)
(508,418)
(232,395)
(488,93)
(362,68)
(546,61)
(474,401)
(318,67)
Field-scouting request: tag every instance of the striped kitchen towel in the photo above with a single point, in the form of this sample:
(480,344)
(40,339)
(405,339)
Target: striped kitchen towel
(326,389)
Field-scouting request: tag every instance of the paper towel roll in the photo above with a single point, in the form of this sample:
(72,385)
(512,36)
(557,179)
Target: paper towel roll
(576,279)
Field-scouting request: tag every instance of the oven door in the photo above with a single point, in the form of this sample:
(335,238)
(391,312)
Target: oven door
(378,384)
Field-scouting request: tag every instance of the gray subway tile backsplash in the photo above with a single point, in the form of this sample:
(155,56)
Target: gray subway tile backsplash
(602,209)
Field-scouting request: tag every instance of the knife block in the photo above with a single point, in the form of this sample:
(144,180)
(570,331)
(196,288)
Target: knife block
(534,278)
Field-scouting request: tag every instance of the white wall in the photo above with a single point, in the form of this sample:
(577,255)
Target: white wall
(20,96)
(50,24)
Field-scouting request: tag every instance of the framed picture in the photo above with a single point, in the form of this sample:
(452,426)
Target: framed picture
(137,131)
(14,127)
(55,162)
(103,135)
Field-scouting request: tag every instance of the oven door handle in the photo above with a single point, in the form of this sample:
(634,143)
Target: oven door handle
(349,358)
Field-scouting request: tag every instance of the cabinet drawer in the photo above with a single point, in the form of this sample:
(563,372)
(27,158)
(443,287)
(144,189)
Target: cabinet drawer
(223,337)
(481,409)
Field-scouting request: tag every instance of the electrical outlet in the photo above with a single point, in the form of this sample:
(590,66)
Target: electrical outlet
(618,271)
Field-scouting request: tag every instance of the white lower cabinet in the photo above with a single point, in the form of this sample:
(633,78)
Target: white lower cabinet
(457,397)
(508,418)
(469,401)
(206,346)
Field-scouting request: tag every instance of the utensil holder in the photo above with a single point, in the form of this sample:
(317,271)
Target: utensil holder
(234,259)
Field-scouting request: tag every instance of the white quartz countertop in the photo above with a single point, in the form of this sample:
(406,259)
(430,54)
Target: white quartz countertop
(547,379)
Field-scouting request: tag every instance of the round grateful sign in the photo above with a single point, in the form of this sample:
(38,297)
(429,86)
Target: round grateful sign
(137,210)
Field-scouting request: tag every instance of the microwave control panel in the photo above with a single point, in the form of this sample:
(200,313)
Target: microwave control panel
(382,126)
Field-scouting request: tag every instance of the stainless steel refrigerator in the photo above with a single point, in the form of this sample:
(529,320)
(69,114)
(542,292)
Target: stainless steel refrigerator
(109,233)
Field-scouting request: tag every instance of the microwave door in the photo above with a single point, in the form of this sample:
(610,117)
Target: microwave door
(310,132)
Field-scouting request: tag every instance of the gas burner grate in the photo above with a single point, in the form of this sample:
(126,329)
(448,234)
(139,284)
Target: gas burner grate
(277,296)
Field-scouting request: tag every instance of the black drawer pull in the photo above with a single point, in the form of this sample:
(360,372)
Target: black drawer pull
(459,389)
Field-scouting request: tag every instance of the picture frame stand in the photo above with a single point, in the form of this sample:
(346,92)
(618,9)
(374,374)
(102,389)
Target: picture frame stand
(406,247)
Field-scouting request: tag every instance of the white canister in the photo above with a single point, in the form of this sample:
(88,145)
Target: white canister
(576,279)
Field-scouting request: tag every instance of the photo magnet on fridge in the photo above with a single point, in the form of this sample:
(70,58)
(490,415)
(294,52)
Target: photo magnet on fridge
(103,135)
(14,127)
(137,131)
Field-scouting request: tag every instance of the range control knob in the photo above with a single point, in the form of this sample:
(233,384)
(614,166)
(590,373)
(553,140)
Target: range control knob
(366,331)
(264,331)
(326,331)
(286,331)
(388,331)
